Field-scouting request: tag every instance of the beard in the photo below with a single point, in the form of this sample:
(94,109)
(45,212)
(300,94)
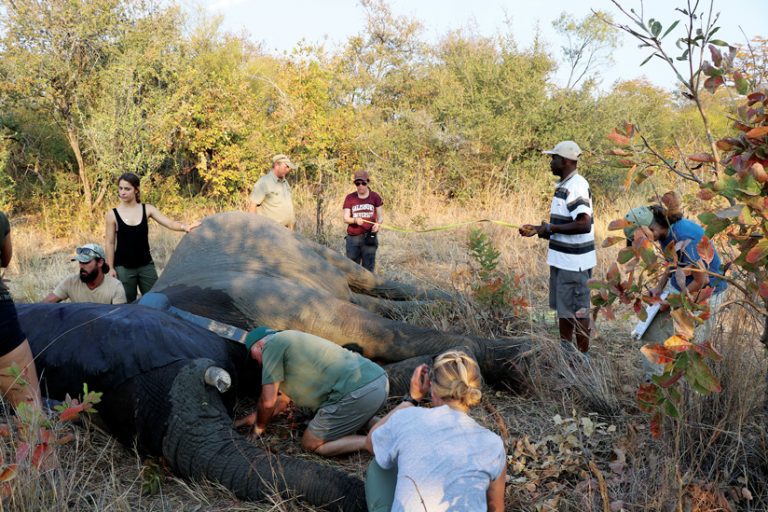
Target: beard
(89,277)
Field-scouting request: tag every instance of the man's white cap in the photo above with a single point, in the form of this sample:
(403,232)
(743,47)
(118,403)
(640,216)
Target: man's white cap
(566,149)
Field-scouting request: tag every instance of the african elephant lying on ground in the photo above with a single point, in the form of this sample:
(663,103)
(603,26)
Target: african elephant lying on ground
(246,270)
(242,270)
(152,371)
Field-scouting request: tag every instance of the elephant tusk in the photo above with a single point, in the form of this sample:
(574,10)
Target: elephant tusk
(218,378)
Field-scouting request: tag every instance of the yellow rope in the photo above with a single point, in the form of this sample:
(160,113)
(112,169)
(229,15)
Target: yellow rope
(446,226)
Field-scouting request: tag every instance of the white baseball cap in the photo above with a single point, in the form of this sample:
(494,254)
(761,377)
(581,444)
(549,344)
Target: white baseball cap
(566,149)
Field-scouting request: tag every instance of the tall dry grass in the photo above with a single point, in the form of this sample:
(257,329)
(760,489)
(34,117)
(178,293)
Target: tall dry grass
(719,442)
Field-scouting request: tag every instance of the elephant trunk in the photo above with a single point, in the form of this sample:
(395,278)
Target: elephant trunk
(201,443)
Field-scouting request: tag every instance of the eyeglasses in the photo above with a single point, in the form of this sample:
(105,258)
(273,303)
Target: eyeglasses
(361,182)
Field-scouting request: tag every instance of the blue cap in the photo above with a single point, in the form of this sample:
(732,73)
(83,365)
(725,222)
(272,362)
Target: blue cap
(256,334)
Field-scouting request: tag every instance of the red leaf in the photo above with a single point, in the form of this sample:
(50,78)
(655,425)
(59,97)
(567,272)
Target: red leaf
(8,473)
(764,289)
(41,453)
(619,152)
(756,133)
(758,252)
(705,194)
(629,129)
(608,313)
(677,344)
(707,350)
(705,249)
(713,82)
(717,57)
(618,138)
(701,157)
(619,224)
(612,240)
(657,354)
(71,412)
(22,450)
(683,321)
(656,425)
(667,381)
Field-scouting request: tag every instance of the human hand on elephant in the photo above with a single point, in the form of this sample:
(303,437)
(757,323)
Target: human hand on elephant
(419,382)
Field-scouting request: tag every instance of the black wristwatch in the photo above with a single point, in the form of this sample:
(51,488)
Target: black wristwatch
(408,398)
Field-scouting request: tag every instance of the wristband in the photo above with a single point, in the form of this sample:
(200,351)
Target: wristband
(408,398)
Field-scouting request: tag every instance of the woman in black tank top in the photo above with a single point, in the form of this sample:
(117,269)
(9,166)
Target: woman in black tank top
(128,237)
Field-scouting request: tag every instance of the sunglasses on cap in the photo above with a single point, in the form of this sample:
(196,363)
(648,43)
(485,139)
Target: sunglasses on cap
(361,182)
(86,251)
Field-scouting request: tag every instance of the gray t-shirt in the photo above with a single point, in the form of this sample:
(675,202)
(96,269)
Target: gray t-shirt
(110,291)
(442,452)
(273,197)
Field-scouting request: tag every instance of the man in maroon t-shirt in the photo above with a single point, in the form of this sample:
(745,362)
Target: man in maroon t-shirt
(363,214)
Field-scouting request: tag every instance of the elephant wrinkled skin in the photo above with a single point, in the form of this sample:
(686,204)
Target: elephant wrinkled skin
(246,270)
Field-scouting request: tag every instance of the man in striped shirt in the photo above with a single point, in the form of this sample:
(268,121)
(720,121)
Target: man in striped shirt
(571,254)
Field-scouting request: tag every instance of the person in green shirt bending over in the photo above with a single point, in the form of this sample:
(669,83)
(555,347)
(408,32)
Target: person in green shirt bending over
(344,389)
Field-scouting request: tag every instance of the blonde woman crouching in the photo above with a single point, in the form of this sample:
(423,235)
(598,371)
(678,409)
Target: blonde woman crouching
(438,458)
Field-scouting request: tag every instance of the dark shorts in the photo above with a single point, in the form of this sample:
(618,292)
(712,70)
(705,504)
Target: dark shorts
(361,253)
(568,292)
(11,335)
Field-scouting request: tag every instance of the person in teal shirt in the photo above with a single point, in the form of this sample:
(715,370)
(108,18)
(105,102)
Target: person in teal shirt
(344,389)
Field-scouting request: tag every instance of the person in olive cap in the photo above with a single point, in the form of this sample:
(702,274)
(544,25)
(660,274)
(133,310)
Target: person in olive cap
(271,196)
(344,389)
(93,283)
(363,215)
(571,256)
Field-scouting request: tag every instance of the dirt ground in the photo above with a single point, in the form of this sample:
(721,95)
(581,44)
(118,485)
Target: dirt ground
(574,436)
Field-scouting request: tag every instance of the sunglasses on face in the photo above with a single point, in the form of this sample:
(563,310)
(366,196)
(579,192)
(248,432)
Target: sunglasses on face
(361,182)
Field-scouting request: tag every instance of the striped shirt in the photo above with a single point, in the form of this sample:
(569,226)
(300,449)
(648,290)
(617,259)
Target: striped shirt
(571,252)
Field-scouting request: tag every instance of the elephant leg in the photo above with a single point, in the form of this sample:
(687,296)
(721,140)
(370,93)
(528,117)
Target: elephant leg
(362,281)
(201,443)
(387,308)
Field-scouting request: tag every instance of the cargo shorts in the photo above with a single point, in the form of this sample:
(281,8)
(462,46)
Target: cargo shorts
(351,412)
(568,292)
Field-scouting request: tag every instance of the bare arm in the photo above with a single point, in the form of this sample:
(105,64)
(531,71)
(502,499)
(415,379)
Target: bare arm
(418,389)
(580,226)
(495,494)
(52,298)
(379,219)
(6,251)
(700,280)
(266,406)
(109,237)
(348,219)
(169,223)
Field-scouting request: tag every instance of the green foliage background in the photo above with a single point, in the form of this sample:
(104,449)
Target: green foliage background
(94,88)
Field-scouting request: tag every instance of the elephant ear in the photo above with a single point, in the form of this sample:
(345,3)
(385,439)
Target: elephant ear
(106,345)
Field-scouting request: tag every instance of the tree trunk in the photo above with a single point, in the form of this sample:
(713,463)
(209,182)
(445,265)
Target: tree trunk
(74,143)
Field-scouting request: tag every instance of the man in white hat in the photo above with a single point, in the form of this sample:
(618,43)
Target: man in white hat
(571,254)
(271,195)
(93,283)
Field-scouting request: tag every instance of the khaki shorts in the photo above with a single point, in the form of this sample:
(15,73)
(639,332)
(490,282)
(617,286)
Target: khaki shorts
(351,412)
(568,292)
